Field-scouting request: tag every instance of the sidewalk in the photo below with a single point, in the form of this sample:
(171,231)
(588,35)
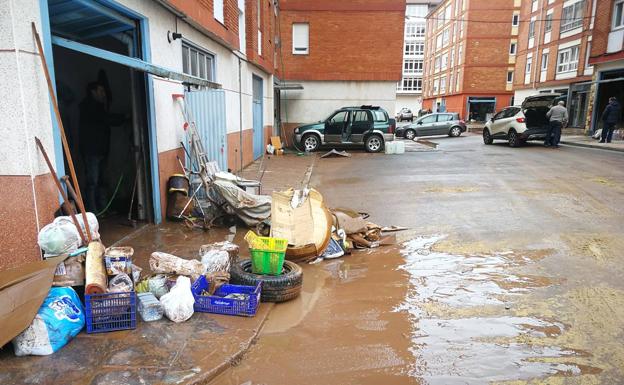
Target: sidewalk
(191,352)
(586,141)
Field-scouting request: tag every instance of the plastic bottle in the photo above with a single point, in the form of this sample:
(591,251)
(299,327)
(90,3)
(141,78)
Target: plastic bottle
(149,307)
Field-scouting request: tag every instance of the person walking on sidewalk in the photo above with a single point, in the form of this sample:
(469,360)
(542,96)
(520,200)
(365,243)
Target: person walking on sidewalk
(558,118)
(610,116)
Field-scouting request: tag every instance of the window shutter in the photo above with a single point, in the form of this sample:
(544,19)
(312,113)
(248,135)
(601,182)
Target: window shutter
(300,38)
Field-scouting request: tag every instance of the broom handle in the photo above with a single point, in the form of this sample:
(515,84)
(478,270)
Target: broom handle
(70,162)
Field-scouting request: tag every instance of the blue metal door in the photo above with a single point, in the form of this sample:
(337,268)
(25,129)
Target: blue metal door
(207,109)
(258,129)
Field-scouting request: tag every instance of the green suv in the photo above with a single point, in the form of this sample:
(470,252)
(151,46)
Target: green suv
(367,125)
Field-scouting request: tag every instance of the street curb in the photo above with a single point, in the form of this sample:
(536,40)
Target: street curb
(209,376)
(576,144)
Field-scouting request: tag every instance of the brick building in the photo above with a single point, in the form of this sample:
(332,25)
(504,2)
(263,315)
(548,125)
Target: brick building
(342,53)
(219,54)
(607,57)
(553,52)
(409,89)
(467,56)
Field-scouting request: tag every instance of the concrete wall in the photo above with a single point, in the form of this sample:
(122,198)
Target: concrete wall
(319,98)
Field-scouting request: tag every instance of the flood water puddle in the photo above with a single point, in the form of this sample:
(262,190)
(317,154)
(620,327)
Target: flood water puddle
(450,347)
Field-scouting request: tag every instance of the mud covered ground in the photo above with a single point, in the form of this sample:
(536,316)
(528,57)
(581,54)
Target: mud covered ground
(511,272)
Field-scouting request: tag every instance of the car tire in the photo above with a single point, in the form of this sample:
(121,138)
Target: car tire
(409,134)
(455,132)
(275,288)
(374,143)
(513,139)
(310,142)
(487,137)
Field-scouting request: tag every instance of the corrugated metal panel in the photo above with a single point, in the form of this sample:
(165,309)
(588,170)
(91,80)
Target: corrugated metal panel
(207,108)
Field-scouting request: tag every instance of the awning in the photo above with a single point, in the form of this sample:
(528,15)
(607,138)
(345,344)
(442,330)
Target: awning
(288,86)
(134,63)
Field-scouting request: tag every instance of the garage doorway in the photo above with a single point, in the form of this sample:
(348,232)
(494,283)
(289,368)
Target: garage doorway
(104,108)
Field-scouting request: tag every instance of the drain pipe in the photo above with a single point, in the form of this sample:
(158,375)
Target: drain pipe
(240,109)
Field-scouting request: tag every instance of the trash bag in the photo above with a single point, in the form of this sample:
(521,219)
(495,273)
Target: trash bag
(61,236)
(59,319)
(157,285)
(216,261)
(178,303)
(121,283)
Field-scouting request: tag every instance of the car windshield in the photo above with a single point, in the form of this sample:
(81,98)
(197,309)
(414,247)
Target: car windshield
(379,116)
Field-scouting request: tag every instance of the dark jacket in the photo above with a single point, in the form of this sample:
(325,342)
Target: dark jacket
(612,113)
(95,127)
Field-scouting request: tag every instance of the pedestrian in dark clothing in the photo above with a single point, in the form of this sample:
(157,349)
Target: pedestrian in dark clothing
(610,116)
(95,130)
(558,118)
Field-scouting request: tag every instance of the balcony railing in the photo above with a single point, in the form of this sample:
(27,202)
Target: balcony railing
(570,25)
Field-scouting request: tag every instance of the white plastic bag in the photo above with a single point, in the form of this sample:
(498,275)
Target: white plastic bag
(216,261)
(178,303)
(61,236)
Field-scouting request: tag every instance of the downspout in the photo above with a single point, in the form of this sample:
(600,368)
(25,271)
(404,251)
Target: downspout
(537,45)
(240,112)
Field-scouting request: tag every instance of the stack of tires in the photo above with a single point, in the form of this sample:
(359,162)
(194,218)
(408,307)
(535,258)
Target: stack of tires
(275,288)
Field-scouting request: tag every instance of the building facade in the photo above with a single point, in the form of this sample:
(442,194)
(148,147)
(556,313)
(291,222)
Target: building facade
(553,52)
(154,60)
(409,89)
(339,53)
(467,60)
(607,57)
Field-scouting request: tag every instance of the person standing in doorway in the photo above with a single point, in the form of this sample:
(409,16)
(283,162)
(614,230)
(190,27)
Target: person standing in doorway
(610,116)
(558,118)
(94,135)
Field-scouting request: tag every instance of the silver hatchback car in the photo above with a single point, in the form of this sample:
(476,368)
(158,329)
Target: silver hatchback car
(442,123)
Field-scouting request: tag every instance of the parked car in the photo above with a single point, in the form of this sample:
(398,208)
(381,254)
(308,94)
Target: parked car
(444,123)
(517,125)
(365,125)
(405,114)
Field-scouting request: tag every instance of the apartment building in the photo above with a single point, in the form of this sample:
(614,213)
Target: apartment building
(553,52)
(409,89)
(153,59)
(338,53)
(467,56)
(607,57)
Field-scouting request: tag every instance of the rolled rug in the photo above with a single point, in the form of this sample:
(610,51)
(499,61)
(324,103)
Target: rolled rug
(95,270)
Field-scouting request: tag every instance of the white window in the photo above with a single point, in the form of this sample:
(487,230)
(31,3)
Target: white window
(534,6)
(436,86)
(437,64)
(196,62)
(439,41)
(548,23)
(259,28)
(618,14)
(301,38)
(444,60)
(512,48)
(411,83)
(567,59)
(412,66)
(445,37)
(459,55)
(572,16)
(532,29)
(417,10)
(510,77)
(413,30)
(450,83)
(515,20)
(545,61)
(527,68)
(452,58)
(414,48)
(218,10)
(242,39)
(443,85)
(447,13)
(457,83)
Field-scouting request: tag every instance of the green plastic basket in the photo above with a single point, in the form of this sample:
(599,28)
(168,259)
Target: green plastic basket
(267,257)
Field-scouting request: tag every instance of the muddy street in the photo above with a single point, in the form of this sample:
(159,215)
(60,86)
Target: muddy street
(509,273)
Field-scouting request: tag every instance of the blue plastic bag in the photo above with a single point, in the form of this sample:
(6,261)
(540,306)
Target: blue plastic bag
(59,319)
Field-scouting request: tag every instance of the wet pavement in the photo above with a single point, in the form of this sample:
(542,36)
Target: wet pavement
(510,274)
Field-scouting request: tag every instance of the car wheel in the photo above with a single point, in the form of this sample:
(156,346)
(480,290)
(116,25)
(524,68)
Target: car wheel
(514,140)
(311,142)
(455,132)
(374,143)
(275,288)
(410,134)
(487,137)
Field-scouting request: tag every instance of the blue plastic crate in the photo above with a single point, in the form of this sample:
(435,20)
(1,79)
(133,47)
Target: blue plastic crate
(110,312)
(230,306)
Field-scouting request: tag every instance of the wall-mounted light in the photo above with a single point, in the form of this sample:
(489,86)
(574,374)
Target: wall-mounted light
(171,36)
